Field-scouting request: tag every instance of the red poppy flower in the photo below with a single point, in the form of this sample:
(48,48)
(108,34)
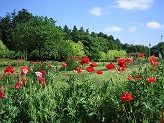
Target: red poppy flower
(141,55)
(130,77)
(24,80)
(151,79)
(94,64)
(137,77)
(110,66)
(153,61)
(18,85)
(64,64)
(41,80)
(99,72)
(9,70)
(42,71)
(31,62)
(153,58)
(78,70)
(129,60)
(123,68)
(85,60)
(126,97)
(24,70)
(24,67)
(90,69)
(121,62)
(2,94)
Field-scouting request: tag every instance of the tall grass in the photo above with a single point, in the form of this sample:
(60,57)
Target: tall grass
(69,97)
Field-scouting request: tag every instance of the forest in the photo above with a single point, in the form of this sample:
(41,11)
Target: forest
(29,37)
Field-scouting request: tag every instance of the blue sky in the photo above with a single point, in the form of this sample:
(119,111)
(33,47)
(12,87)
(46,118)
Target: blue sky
(131,21)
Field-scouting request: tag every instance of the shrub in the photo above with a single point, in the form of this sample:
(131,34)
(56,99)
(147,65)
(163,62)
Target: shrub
(72,64)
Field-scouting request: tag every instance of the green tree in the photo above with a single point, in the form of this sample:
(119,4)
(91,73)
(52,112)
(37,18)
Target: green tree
(67,33)
(158,49)
(23,16)
(70,48)
(8,24)
(135,48)
(3,50)
(112,55)
(6,28)
(39,33)
(74,34)
(118,44)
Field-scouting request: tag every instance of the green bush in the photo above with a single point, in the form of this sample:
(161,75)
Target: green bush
(13,54)
(113,54)
(34,55)
(72,64)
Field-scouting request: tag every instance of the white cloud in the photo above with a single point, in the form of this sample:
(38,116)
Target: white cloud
(134,4)
(113,29)
(96,11)
(154,25)
(132,29)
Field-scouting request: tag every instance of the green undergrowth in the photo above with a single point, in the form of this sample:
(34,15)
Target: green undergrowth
(68,97)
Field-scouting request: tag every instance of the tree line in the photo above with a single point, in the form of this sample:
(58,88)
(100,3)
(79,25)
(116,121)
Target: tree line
(24,35)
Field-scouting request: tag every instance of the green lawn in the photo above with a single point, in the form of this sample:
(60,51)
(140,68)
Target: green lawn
(106,76)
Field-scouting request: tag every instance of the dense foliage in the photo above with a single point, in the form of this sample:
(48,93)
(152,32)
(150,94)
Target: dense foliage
(33,37)
(38,92)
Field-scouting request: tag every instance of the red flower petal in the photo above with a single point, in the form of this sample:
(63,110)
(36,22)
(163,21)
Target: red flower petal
(64,64)
(110,66)
(42,71)
(85,60)
(78,70)
(99,72)
(126,97)
(121,62)
(129,60)
(18,85)
(90,69)
(94,64)
(9,70)
(141,55)
(151,79)
(2,94)
(24,80)
(130,77)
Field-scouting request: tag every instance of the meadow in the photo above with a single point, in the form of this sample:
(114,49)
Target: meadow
(97,92)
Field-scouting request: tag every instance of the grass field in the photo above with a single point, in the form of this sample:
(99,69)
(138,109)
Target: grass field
(107,74)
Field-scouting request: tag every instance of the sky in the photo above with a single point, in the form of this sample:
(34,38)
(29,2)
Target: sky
(131,21)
